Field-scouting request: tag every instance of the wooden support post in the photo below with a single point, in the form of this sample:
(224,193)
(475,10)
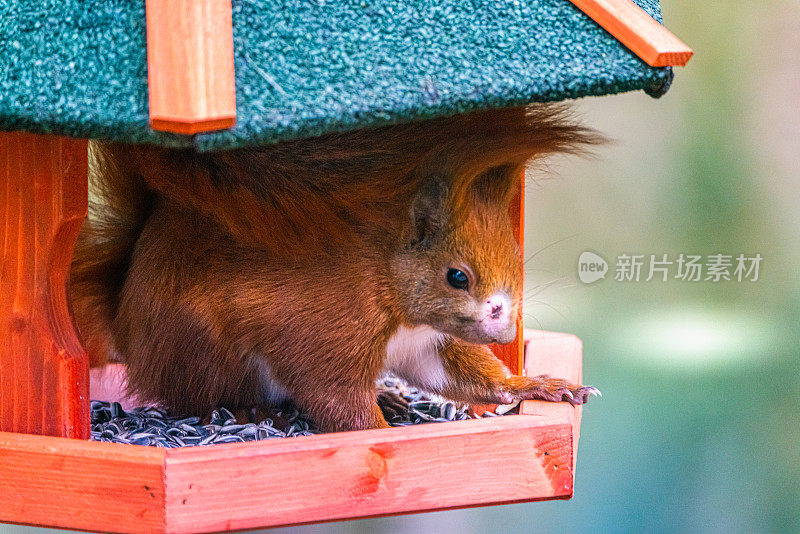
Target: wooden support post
(190,69)
(44,372)
(555,354)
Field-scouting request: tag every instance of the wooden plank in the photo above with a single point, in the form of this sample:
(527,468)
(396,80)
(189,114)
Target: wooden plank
(368,473)
(560,355)
(44,376)
(190,67)
(85,485)
(128,488)
(638,31)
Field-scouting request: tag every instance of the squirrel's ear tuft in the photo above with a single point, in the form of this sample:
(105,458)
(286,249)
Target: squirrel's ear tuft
(429,212)
(497,185)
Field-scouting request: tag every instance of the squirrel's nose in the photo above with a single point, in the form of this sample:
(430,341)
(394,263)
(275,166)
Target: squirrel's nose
(498,308)
(498,325)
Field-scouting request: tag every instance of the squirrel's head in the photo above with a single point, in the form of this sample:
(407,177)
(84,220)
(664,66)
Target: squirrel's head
(459,270)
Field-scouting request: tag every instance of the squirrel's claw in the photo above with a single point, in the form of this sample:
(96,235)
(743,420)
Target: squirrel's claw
(582,395)
(566,394)
(392,404)
(551,389)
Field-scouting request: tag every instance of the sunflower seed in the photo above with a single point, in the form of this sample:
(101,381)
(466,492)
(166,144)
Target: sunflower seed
(231,429)
(116,410)
(188,421)
(248,431)
(154,427)
(207,440)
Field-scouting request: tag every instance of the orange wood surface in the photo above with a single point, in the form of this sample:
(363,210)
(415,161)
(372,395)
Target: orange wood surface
(638,31)
(190,68)
(81,484)
(129,488)
(369,473)
(44,375)
(555,354)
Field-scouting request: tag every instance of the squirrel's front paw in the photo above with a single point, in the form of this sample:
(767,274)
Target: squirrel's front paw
(546,388)
(392,405)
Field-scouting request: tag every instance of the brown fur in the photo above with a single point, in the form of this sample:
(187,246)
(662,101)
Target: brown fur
(308,255)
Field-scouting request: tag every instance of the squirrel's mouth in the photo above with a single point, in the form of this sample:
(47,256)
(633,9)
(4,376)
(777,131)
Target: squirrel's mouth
(481,335)
(507,336)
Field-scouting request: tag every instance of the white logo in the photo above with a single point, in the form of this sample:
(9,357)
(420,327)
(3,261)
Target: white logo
(591,267)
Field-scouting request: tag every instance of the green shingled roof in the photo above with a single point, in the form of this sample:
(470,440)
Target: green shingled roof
(305,67)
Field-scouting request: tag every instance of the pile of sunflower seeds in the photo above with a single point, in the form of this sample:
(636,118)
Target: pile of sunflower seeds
(402,405)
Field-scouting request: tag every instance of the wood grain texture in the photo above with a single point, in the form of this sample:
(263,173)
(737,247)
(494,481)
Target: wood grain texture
(190,67)
(368,473)
(638,31)
(81,484)
(129,488)
(555,354)
(44,375)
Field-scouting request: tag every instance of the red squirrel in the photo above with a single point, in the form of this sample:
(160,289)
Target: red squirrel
(304,269)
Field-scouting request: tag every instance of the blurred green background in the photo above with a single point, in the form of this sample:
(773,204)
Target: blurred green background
(699,426)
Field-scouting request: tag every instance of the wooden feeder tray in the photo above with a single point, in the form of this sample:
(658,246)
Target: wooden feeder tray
(67,483)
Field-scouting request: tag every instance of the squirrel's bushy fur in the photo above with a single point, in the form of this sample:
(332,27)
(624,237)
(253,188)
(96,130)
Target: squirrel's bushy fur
(305,268)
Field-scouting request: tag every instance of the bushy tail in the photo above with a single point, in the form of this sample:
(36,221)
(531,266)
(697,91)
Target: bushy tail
(119,204)
(295,198)
(298,197)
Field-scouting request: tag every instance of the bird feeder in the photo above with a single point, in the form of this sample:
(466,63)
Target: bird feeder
(222,74)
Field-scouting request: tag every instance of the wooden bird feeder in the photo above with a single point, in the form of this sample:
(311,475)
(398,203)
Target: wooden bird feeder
(61,86)
(127,488)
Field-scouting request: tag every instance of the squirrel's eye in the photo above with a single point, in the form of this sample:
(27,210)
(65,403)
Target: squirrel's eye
(457,279)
